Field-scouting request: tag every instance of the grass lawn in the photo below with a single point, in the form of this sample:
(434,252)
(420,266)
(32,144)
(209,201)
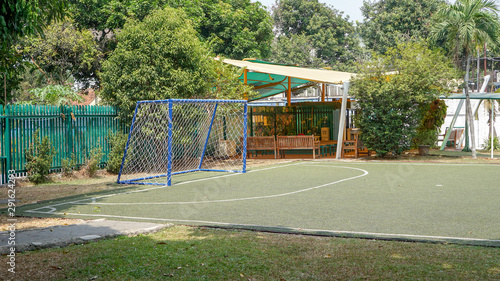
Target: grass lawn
(193,253)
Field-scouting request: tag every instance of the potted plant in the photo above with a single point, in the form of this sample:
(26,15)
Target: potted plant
(425,139)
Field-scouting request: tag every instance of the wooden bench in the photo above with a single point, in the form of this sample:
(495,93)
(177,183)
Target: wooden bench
(297,142)
(261,143)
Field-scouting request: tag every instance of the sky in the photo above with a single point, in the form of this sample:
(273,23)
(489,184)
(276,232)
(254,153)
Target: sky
(349,7)
(352,8)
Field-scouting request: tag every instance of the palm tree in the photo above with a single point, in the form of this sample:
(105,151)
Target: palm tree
(465,26)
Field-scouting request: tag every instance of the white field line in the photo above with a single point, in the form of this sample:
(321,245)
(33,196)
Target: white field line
(371,234)
(148,189)
(240,199)
(337,162)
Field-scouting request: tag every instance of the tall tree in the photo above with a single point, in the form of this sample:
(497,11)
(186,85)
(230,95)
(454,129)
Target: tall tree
(332,37)
(20,18)
(63,54)
(386,22)
(466,26)
(234,28)
(160,58)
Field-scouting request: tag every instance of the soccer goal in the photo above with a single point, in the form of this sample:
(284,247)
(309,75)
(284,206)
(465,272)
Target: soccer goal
(176,136)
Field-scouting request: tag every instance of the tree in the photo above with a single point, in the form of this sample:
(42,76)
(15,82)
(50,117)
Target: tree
(332,37)
(389,104)
(296,49)
(20,18)
(64,54)
(160,58)
(466,26)
(235,29)
(53,95)
(390,21)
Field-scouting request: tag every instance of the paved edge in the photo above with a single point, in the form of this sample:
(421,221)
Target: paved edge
(83,239)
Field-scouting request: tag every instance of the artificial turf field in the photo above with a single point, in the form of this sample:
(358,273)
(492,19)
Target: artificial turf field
(455,203)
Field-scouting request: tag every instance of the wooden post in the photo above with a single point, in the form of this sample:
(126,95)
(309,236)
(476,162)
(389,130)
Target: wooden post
(245,79)
(323,92)
(289,92)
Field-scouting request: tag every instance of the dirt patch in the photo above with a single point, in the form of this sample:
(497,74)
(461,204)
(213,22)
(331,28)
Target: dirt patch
(30,223)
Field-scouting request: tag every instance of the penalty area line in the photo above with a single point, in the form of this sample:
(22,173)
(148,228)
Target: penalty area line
(77,202)
(240,199)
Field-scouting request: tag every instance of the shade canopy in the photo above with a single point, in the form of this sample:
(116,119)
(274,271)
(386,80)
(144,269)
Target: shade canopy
(270,79)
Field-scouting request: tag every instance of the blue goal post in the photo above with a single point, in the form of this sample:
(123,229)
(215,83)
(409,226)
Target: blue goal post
(177,136)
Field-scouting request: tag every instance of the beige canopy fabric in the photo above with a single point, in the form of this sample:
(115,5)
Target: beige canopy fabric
(315,75)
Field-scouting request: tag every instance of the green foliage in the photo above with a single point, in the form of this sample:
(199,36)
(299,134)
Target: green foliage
(92,162)
(388,22)
(20,18)
(64,53)
(236,28)
(389,103)
(39,158)
(433,115)
(67,165)
(467,25)
(24,17)
(117,143)
(162,58)
(158,58)
(487,144)
(330,38)
(295,49)
(53,95)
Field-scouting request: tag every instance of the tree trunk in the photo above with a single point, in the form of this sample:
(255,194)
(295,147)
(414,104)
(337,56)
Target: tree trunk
(468,110)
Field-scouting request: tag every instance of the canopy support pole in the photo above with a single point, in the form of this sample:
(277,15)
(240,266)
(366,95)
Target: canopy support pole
(452,125)
(323,92)
(340,137)
(289,92)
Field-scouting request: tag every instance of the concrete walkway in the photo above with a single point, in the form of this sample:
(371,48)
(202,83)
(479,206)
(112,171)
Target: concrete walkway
(64,235)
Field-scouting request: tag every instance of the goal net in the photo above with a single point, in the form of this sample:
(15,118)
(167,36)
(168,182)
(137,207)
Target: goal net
(176,136)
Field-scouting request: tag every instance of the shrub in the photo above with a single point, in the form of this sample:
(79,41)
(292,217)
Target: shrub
(487,143)
(39,159)
(68,165)
(117,142)
(93,160)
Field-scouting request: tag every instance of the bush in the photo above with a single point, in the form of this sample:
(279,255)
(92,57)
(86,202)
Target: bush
(93,160)
(487,144)
(39,159)
(67,165)
(117,142)
(390,90)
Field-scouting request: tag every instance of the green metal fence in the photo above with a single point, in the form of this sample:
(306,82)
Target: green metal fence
(71,129)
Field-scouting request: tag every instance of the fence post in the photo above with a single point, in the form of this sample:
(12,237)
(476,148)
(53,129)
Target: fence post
(7,148)
(66,110)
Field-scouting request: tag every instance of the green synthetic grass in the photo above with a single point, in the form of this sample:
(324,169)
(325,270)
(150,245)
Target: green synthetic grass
(429,202)
(192,253)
